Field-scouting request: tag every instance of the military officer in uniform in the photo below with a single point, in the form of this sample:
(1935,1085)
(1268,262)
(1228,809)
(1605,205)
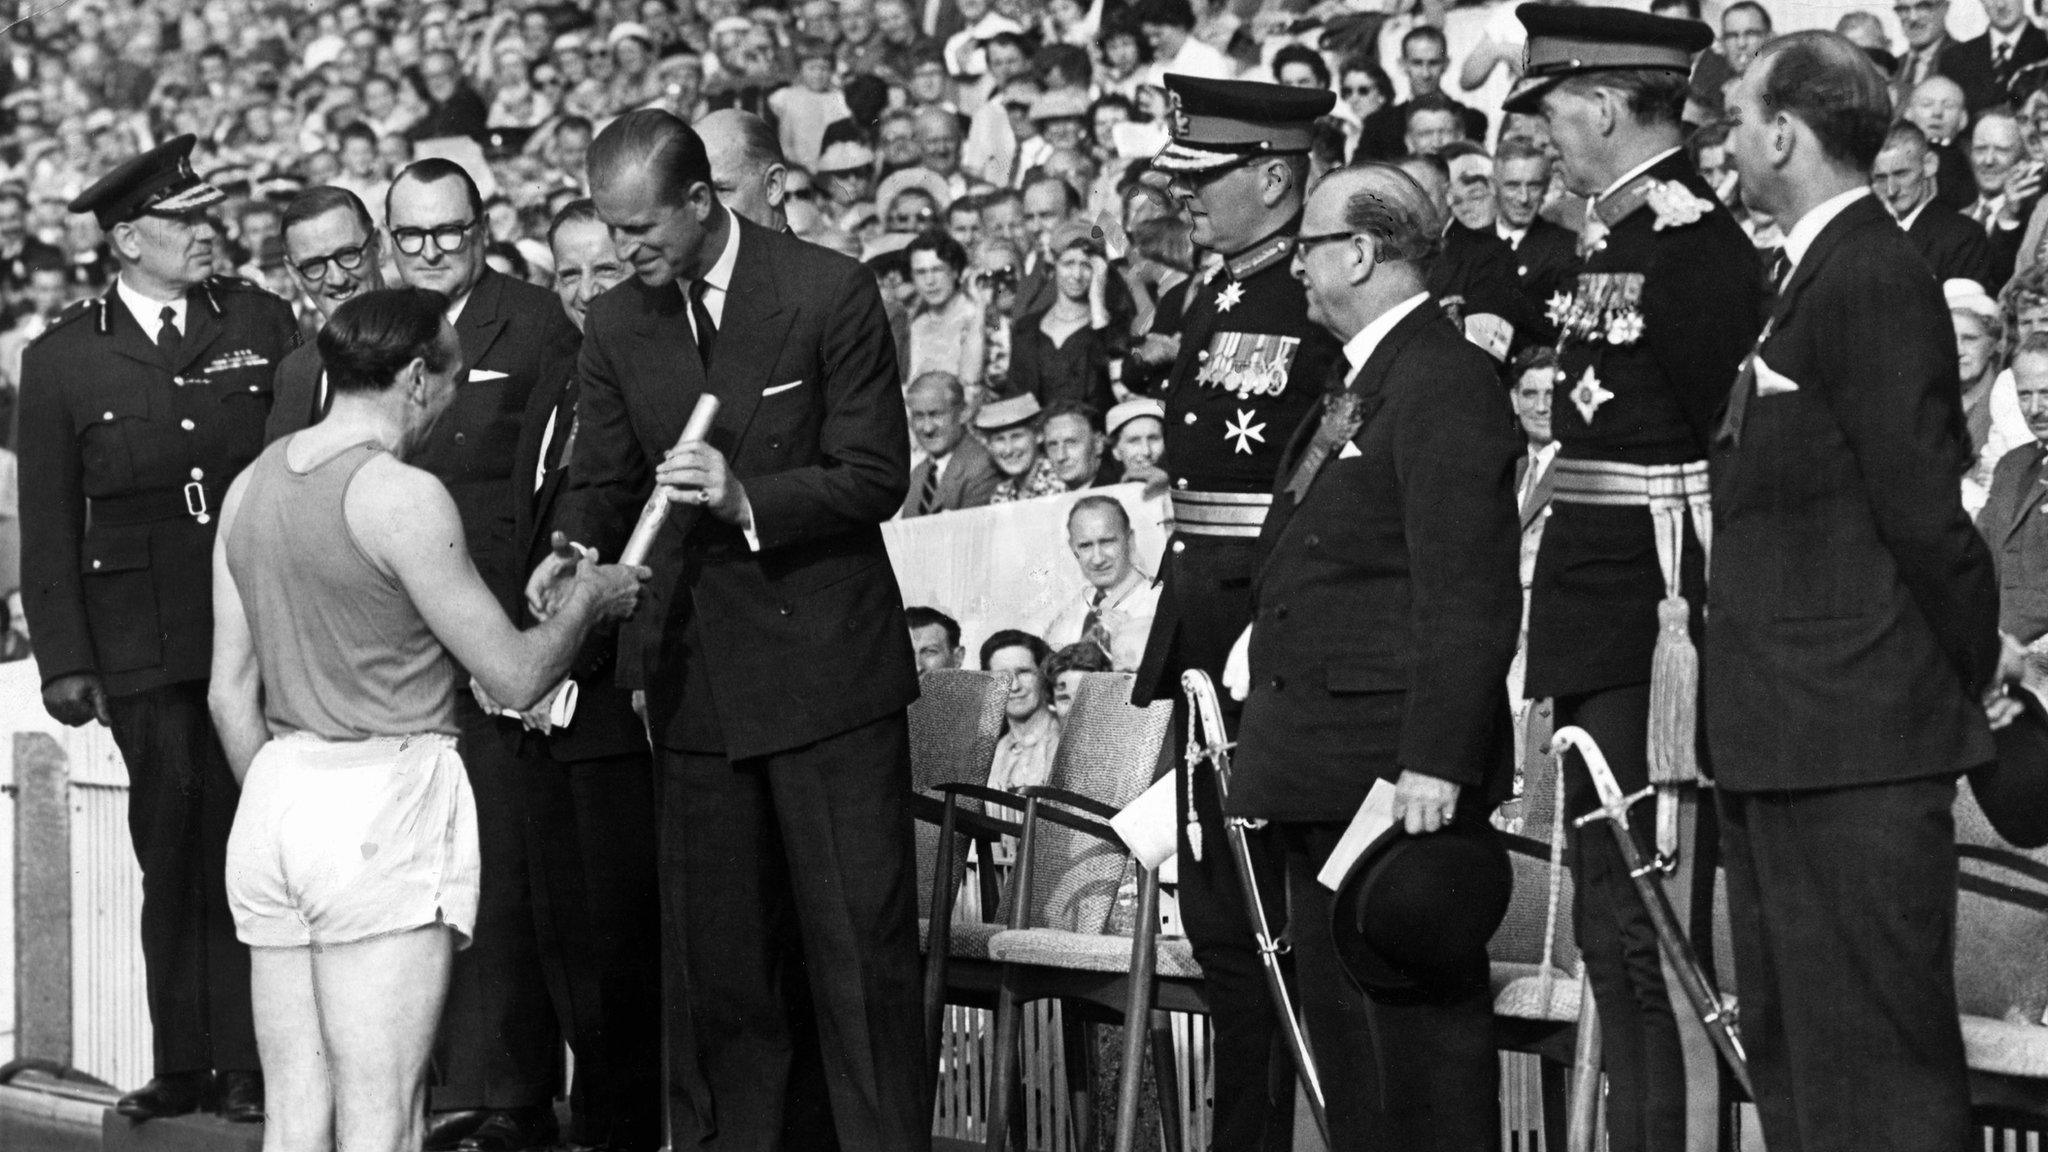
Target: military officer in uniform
(1251,367)
(1651,334)
(137,409)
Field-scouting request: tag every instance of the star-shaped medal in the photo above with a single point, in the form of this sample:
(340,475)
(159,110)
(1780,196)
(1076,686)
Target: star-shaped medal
(1231,294)
(1589,395)
(1244,431)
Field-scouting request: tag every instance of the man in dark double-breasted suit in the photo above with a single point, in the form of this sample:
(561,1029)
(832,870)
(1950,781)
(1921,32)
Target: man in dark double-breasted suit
(137,410)
(1852,633)
(778,692)
(1384,620)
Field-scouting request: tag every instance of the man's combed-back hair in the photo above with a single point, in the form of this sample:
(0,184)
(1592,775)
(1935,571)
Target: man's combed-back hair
(371,338)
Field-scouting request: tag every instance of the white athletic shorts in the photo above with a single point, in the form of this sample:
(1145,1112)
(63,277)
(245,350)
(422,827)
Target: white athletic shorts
(340,841)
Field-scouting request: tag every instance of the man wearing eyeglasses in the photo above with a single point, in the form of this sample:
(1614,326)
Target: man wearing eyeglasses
(331,246)
(137,409)
(1925,24)
(499,1041)
(1251,367)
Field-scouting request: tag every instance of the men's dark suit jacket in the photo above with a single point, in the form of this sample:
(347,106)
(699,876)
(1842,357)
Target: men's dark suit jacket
(1546,263)
(1387,609)
(803,639)
(605,723)
(1968,63)
(1853,609)
(1475,273)
(1952,244)
(2015,528)
(521,351)
(298,400)
(2003,245)
(969,480)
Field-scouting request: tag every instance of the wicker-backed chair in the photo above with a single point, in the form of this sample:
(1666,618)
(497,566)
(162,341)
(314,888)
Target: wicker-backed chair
(1537,987)
(1062,941)
(2001,977)
(954,726)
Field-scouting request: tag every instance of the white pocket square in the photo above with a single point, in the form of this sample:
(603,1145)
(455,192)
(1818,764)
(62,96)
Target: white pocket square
(1771,382)
(476,374)
(1348,451)
(765,392)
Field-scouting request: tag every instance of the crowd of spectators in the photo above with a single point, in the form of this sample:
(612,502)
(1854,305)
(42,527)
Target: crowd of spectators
(988,159)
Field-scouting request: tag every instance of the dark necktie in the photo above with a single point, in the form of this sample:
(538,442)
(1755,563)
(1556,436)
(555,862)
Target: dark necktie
(707,332)
(2000,53)
(2029,489)
(928,492)
(168,337)
(1781,268)
(1093,619)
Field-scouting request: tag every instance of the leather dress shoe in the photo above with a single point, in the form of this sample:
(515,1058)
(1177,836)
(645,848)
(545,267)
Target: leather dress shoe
(447,1130)
(173,1094)
(513,1130)
(239,1096)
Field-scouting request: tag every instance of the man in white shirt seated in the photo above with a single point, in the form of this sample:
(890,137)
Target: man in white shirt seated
(1116,608)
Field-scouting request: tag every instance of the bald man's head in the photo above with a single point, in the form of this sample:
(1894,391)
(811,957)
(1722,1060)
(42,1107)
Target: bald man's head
(1936,107)
(747,167)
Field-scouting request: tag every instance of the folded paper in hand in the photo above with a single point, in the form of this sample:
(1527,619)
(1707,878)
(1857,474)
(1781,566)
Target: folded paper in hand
(1373,817)
(554,710)
(1147,823)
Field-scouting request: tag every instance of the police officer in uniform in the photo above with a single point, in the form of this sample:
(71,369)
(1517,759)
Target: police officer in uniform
(137,409)
(1652,332)
(1251,367)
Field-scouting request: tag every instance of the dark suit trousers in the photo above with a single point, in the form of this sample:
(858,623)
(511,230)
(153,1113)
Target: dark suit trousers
(1843,904)
(789,914)
(597,911)
(1639,1039)
(1398,1077)
(498,1046)
(1254,1073)
(181,807)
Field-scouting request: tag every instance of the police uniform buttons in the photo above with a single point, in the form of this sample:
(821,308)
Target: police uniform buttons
(1181,483)
(1187,419)
(187,424)
(1180,545)
(107,415)
(199,473)
(461,438)
(1277,683)
(95,563)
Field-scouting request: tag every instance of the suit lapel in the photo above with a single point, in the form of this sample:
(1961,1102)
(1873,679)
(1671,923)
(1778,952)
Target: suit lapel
(750,337)
(671,375)
(129,338)
(480,324)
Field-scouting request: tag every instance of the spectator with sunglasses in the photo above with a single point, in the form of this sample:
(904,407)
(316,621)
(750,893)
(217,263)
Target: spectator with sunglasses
(331,246)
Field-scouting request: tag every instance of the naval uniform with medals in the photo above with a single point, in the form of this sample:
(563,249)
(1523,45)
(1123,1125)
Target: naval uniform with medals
(1651,335)
(1251,368)
(131,430)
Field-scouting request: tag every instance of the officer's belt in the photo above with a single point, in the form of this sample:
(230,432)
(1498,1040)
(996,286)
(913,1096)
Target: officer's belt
(1220,513)
(1627,485)
(196,500)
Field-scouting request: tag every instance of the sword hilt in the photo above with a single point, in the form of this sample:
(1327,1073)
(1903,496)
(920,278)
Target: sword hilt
(1615,809)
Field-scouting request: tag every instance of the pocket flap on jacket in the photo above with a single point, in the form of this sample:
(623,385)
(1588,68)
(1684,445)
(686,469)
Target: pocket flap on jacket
(1378,672)
(114,553)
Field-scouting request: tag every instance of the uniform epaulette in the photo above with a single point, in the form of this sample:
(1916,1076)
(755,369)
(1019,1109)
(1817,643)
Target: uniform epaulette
(227,283)
(78,308)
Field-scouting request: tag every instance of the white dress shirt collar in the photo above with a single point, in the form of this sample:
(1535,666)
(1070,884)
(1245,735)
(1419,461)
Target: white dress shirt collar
(718,278)
(148,310)
(1360,347)
(1800,236)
